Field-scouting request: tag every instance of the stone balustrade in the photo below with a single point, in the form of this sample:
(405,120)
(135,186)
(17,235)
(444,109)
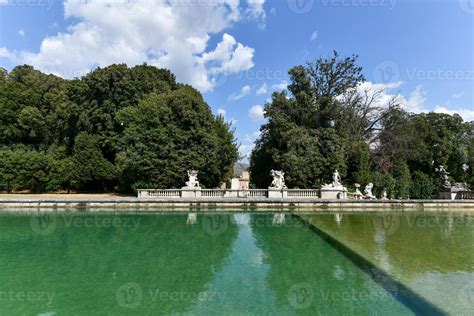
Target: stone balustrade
(264,193)
(303,193)
(465,195)
(218,193)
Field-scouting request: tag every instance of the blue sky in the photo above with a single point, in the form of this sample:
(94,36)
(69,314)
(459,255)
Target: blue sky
(238,52)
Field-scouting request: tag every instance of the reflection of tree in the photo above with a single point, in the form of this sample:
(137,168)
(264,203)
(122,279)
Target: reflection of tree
(414,242)
(302,265)
(86,266)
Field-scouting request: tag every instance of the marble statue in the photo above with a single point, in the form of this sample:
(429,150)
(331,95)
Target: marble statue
(358,195)
(278,181)
(334,190)
(193,181)
(384,195)
(336,179)
(368,191)
(444,176)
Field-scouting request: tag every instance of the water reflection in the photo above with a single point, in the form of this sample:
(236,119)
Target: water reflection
(112,264)
(431,253)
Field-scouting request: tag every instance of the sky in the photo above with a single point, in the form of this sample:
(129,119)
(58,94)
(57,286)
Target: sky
(237,52)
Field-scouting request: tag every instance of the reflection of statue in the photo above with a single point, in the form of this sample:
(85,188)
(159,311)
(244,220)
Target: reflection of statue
(192,218)
(444,176)
(278,179)
(193,181)
(278,218)
(368,191)
(336,179)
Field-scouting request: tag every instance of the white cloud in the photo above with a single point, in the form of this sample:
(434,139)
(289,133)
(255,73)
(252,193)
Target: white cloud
(466,114)
(5,53)
(457,95)
(21,33)
(416,101)
(256,112)
(262,89)
(236,96)
(248,143)
(256,11)
(314,36)
(167,34)
(280,86)
(221,112)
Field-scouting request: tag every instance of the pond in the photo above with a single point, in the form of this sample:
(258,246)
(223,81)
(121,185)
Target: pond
(236,264)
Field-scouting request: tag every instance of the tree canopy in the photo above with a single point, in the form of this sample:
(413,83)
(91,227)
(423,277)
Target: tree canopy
(331,119)
(117,128)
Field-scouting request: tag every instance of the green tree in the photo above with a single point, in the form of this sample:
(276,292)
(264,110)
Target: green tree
(300,136)
(169,133)
(423,186)
(93,170)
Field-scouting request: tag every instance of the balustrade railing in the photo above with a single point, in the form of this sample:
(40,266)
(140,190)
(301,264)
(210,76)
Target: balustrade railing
(303,193)
(212,193)
(465,195)
(256,193)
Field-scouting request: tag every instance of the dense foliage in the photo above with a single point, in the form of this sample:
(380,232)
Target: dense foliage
(330,119)
(116,128)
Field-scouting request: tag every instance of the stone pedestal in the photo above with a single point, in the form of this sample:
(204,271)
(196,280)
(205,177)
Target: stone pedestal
(231,193)
(234,184)
(448,195)
(333,193)
(277,193)
(190,192)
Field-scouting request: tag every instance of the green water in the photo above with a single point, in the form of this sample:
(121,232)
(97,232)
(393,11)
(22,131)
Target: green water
(224,264)
(430,253)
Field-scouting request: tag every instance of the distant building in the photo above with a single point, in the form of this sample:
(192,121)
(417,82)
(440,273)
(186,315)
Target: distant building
(244,180)
(240,183)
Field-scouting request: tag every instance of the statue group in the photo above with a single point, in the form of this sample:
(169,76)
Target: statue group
(193,181)
(278,181)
